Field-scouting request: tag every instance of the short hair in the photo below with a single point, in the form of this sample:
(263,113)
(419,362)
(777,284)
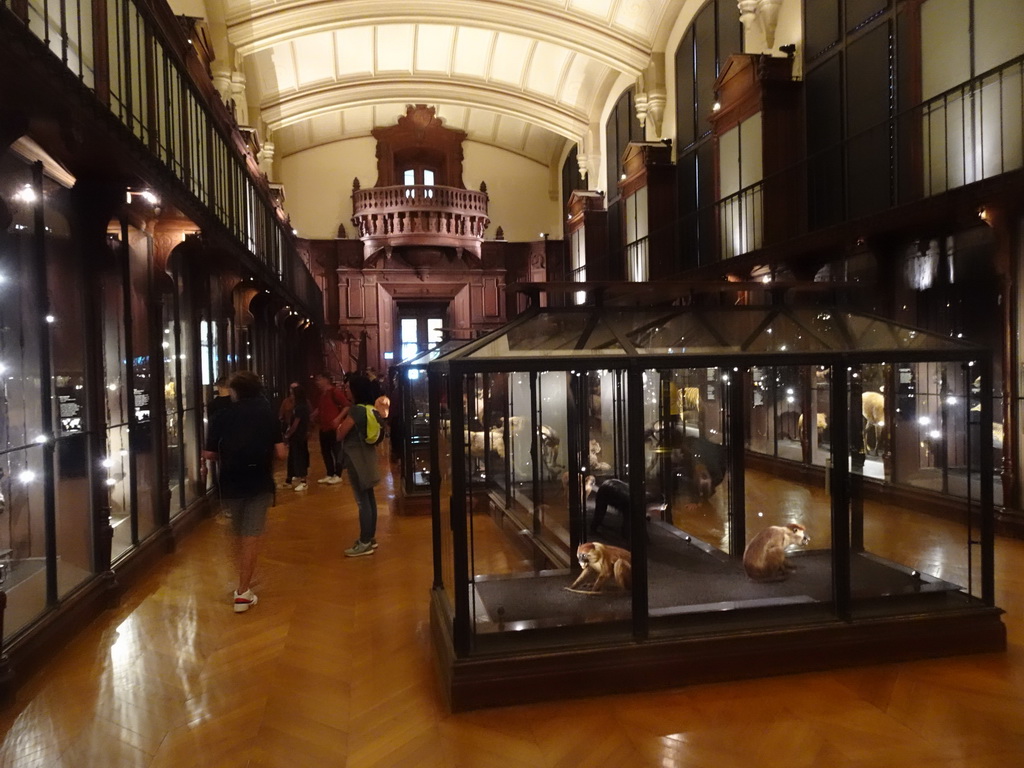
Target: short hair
(222,381)
(245,384)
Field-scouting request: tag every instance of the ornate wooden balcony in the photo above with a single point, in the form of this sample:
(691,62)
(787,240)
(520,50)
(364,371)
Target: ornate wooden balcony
(423,216)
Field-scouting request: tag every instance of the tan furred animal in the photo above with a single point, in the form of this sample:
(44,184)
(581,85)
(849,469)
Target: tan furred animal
(873,407)
(764,559)
(596,465)
(604,562)
(478,440)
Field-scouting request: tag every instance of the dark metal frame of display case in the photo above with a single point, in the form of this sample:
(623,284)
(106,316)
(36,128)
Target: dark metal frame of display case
(471,678)
(410,499)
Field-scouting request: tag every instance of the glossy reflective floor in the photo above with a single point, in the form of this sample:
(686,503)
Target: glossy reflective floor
(333,668)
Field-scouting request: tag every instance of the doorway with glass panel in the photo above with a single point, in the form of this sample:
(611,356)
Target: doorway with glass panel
(420,326)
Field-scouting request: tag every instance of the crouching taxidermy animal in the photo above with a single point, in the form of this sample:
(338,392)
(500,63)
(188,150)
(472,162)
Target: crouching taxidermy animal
(764,559)
(602,562)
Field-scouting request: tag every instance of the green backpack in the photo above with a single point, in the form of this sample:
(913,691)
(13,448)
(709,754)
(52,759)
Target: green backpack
(374,424)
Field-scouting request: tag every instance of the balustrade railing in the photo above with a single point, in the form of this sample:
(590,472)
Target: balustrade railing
(420,215)
(135,60)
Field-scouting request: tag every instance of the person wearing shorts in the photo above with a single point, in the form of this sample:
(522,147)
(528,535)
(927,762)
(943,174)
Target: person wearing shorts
(245,438)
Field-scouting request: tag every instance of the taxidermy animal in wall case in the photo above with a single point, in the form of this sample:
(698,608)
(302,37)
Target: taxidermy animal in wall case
(602,562)
(764,559)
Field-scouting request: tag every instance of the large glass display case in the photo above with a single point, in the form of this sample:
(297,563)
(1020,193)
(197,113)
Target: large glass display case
(601,498)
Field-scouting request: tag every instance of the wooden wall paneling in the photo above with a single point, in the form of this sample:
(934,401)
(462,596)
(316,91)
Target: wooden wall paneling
(354,297)
(492,298)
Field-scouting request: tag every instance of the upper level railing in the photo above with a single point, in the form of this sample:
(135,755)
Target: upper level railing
(969,133)
(133,56)
(386,217)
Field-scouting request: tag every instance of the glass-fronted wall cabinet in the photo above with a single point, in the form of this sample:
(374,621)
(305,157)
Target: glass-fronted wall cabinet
(595,490)
(410,428)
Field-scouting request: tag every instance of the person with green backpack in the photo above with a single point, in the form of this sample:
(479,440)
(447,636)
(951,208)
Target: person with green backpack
(360,430)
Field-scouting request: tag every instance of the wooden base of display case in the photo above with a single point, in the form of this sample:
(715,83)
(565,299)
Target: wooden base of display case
(500,680)
(412,503)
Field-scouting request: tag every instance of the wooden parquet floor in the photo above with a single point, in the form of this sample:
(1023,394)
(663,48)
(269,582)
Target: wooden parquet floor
(333,668)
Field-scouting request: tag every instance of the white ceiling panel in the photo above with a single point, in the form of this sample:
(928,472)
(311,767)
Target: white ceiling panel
(473,52)
(636,16)
(601,9)
(510,58)
(354,51)
(434,48)
(359,121)
(395,46)
(323,128)
(276,69)
(511,133)
(314,59)
(546,69)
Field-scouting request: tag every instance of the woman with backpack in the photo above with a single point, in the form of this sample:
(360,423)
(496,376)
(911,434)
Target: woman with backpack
(360,430)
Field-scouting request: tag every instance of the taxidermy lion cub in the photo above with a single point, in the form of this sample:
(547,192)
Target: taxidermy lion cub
(764,559)
(603,561)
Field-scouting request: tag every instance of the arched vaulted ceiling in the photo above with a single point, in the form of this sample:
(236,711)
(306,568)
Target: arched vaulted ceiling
(525,76)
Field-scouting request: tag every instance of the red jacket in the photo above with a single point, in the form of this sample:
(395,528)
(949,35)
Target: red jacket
(331,403)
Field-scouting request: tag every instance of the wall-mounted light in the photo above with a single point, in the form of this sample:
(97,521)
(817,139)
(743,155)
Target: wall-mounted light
(50,319)
(716,106)
(145,194)
(985,215)
(27,476)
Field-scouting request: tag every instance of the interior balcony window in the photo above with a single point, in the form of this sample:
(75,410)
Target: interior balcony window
(418,176)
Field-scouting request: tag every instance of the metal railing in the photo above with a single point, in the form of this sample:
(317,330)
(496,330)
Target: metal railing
(969,133)
(126,53)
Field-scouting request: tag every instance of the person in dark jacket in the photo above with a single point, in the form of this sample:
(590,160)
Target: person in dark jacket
(245,438)
(361,460)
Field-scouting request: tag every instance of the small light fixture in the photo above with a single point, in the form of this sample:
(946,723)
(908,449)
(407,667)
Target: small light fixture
(50,319)
(27,476)
(716,106)
(26,194)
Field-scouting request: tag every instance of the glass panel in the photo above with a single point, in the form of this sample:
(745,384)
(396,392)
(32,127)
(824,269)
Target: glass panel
(890,570)
(143,450)
(434,333)
(679,334)
(409,177)
(22,519)
(74,506)
(175,457)
(73,502)
(551,332)
(22,538)
(118,413)
(523,556)
(444,479)
(428,177)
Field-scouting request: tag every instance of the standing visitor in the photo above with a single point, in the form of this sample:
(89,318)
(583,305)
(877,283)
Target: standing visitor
(360,458)
(220,401)
(297,436)
(330,403)
(244,438)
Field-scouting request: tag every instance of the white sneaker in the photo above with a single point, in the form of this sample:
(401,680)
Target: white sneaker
(301,487)
(323,480)
(333,479)
(245,601)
